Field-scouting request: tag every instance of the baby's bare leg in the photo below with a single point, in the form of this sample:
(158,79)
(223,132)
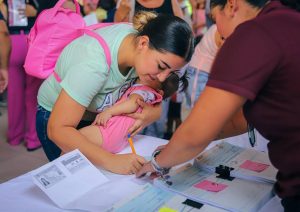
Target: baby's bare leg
(93,134)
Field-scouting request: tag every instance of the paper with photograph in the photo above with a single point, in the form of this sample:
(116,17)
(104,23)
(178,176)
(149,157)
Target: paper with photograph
(68,178)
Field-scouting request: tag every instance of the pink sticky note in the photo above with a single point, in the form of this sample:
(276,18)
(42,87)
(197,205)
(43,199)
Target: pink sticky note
(254,166)
(210,186)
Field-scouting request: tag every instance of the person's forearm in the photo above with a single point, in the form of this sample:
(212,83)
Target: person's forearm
(176,9)
(121,16)
(185,145)
(5,48)
(182,147)
(68,139)
(126,107)
(212,111)
(236,126)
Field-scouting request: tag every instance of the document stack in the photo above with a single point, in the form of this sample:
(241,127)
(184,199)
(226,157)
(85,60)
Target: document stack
(218,190)
(244,163)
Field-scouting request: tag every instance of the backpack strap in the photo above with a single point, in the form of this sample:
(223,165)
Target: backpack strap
(102,43)
(89,30)
(57,78)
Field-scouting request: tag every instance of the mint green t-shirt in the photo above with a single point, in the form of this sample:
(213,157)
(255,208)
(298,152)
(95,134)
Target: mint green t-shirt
(83,70)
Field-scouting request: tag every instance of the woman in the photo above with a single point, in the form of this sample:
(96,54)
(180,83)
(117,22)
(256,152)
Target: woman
(4,53)
(254,79)
(22,88)
(152,48)
(200,65)
(127,8)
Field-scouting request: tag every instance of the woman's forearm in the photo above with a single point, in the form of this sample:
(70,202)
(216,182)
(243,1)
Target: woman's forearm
(121,15)
(5,46)
(69,138)
(208,117)
(181,148)
(176,9)
(236,126)
(61,129)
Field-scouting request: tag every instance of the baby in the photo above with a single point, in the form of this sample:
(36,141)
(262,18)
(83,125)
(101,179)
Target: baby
(110,128)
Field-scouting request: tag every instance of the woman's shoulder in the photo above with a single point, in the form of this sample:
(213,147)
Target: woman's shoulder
(119,31)
(115,31)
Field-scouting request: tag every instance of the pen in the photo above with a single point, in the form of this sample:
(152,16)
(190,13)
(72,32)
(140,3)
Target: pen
(131,143)
(251,135)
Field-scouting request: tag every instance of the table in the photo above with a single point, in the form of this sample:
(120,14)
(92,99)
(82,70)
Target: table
(21,194)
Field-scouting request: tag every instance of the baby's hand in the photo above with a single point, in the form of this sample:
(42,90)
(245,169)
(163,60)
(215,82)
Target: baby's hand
(102,118)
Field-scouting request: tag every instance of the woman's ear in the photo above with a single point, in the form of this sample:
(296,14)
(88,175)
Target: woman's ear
(232,6)
(143,42)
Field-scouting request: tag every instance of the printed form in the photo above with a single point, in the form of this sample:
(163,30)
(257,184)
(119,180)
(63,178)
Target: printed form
(203,186)
(68,178)
(150,198)
(248,164)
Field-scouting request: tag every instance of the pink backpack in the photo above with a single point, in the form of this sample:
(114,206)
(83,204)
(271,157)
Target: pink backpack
(52,31)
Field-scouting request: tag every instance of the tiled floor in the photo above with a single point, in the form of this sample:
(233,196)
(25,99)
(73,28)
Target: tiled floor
(15,160)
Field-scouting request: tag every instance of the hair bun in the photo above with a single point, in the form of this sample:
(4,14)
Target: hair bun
(141,18)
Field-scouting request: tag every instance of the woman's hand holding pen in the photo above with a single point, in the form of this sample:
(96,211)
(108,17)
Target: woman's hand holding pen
(125,163)
(146,117)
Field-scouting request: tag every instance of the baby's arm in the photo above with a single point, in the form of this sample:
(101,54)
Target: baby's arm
(125,107)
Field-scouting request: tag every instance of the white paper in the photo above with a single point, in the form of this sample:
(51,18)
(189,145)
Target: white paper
(156,199)
(68,178)
(15,17)
(233,156)
(239,195)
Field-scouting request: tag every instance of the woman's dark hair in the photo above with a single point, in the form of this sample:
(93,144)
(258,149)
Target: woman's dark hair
(294,4)
(167,33)
(254,3)
(172,83)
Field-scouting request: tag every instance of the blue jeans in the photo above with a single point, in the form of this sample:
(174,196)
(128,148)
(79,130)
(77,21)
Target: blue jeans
(158,128)
(197,82)
(51,150)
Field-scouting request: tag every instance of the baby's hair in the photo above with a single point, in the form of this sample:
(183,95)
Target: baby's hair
(172,84)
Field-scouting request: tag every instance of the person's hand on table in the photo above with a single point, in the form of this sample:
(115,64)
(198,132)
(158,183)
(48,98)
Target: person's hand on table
(125,163)
(146,117)
(147,167)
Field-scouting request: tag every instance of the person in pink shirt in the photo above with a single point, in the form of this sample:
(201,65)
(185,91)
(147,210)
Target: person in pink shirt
(200,65)
(110,128)
(198,18)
